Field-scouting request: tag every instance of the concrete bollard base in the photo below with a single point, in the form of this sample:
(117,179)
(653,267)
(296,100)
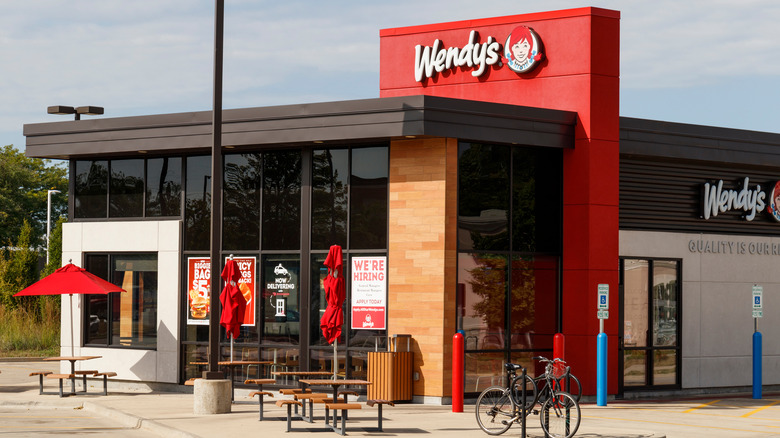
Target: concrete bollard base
(211,397)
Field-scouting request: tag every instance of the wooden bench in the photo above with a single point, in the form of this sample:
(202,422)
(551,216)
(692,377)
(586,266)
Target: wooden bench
(289,404)
(105,375)
(310,397)
(191,382)
(260,395)
(336,407)
(61,377)
(379,403)
(293,391)
(40,375)
(84,374)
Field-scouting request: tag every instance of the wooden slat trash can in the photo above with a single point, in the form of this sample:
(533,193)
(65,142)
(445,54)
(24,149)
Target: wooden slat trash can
(391,372)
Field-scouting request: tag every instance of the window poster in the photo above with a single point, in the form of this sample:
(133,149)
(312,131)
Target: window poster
(199,289)
(369,293)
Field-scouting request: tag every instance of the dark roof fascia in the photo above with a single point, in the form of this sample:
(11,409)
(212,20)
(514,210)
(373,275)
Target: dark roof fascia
(378,119)
(679,141)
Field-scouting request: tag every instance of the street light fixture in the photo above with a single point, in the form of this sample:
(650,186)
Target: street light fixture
(48,221)
(78,111)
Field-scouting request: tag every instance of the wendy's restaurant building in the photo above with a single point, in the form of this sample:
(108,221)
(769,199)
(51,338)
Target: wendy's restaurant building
(492,189)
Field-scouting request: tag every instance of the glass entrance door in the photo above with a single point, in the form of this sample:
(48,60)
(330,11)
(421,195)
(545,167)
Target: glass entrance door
(649,355)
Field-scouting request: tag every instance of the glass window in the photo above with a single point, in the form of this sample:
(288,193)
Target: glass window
(536,200)
(317,300)
(281,304)
(368,198)
(163,186)
(91,187)
(664,303)
(330,183)
(134,313)
(197,207)
(241,200)
(534,302)
(282,200)
(128,318)
(482,284)
(126,193)
(96,307)
(483,197)
(635,302)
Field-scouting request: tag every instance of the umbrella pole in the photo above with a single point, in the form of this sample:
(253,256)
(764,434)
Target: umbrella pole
(335,358)
(72,353)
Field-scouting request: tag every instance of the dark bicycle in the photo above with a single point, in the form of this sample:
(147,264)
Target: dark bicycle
(498,407)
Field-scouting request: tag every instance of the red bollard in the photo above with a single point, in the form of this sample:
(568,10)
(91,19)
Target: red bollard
(558,346)
(458,369)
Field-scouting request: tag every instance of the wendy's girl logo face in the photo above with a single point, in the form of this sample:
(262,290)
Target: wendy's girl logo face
(523,50)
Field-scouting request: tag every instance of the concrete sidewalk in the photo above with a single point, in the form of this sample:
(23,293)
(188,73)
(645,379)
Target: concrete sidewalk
(171,414)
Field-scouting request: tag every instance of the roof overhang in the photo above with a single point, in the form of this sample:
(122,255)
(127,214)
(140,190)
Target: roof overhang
(368,120)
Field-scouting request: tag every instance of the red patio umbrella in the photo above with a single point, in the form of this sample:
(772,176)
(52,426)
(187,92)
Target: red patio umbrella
(70,279)
(333,318)
(233,302)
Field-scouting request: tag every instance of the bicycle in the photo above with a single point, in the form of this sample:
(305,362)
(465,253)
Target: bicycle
(564,379)
(499,407)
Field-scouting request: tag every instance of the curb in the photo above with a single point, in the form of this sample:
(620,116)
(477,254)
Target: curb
(136,422)
(21,359)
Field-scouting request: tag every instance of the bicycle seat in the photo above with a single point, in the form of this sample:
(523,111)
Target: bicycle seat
(513,367)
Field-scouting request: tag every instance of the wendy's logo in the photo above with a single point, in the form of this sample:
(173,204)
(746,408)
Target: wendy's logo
(774,202)
(523,50)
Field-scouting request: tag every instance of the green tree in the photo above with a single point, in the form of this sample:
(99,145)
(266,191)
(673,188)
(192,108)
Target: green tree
(19,269)
(24,184)
(55,249)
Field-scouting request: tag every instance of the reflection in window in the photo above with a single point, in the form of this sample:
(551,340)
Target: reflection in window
(482,284)
(330,179)
(368,198)
(163,186)
(534,302)
(282,200)
(91,189)
(126,193)
(241,200)
(127,318)
(664,303)
(197,206)
(483,196)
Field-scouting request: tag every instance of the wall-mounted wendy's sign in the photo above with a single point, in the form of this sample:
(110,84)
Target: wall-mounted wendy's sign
(750,199)
(523,51)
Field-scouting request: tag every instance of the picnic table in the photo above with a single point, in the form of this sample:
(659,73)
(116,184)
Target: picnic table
(72,360)
(230,364)
(335,384)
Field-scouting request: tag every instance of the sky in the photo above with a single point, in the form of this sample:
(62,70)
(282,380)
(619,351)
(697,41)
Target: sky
(708,62)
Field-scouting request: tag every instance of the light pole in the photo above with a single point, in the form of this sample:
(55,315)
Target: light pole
(48,221)
(78,111)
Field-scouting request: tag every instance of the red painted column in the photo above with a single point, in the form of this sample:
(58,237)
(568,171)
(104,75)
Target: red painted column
(580,73)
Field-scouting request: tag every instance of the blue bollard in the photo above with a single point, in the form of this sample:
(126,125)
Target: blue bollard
(601,370)
(757,365)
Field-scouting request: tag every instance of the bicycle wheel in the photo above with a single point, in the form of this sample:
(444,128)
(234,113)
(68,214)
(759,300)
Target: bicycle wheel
(531,394)
(574,388)
(560,416)
(494,410)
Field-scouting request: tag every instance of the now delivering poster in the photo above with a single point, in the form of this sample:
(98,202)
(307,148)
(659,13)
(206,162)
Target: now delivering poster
(368,285)
(199,289)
